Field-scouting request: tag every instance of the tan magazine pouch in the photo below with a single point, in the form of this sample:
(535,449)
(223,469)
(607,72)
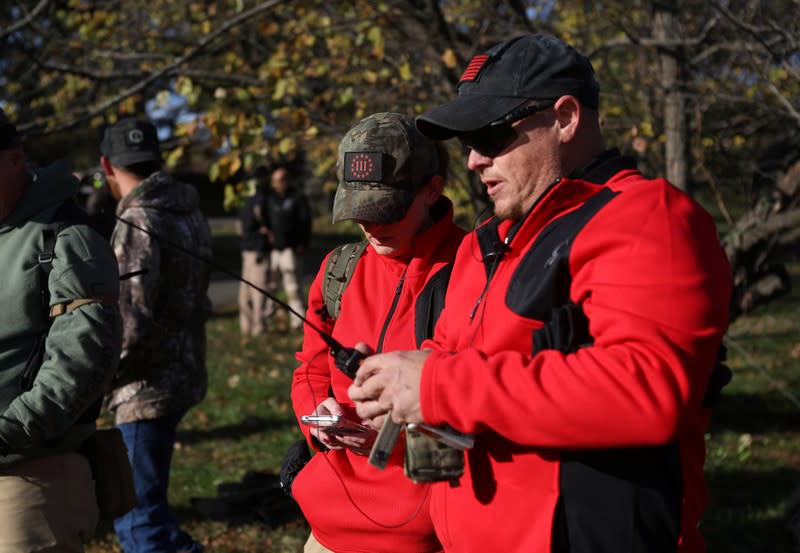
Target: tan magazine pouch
(429,460)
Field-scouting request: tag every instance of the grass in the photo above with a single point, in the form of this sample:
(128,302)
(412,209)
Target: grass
(245,424)
(753,463)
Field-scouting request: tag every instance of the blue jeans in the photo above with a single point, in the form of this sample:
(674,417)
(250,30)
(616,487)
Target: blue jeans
(151,527)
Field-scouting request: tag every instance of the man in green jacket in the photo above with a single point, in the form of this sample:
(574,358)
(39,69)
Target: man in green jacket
(60,338)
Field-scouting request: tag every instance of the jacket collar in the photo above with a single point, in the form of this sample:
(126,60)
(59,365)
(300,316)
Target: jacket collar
(563,195)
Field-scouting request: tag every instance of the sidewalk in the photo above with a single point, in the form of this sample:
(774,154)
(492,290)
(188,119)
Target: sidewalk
(224,289)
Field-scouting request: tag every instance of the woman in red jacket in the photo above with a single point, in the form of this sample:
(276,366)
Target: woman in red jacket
(390,182)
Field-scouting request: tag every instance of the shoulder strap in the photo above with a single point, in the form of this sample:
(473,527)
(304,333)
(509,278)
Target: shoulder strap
(430,303)
(338,272)
(66,215)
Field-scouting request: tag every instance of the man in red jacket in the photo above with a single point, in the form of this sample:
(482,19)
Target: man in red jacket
(581,328)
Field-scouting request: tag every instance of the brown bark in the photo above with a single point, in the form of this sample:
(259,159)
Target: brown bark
(666,27)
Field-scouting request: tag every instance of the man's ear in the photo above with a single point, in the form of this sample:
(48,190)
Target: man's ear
(433,189)
(108,169)
(568,114)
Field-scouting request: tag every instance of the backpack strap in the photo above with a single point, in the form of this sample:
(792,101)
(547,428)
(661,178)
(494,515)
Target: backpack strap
(66,215)
(44,260)
(430,303)
(338,272)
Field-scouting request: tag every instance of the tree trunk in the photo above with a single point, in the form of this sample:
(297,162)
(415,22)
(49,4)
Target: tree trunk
(666,27)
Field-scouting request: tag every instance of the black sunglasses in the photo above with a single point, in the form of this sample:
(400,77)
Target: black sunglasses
(498,135)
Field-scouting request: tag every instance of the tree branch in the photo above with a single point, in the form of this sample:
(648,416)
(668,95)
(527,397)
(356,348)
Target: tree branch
(87,114)
(27,20)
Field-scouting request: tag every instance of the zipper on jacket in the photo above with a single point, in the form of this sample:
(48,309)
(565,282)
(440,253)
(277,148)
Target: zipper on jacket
(392,309)
(495,262)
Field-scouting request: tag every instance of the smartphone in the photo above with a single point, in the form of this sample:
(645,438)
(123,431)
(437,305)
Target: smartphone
(335,424)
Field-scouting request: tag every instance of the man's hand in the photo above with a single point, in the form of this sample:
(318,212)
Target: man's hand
(389,381)
(360,443)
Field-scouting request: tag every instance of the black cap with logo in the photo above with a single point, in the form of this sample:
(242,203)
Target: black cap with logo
(530,67)
(130,141)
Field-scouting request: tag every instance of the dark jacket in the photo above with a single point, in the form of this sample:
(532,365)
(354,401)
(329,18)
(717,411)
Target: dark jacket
(82,346)
(290,219)
(599,449)
(164,307)
(253,216)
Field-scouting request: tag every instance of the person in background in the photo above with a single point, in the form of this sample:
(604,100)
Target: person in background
(290,224)
(164,306)
(581,331)
(256,238)
(390,182)
(100,203)
(60,337)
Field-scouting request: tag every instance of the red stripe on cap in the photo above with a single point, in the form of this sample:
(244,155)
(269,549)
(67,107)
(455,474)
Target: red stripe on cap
(474,68)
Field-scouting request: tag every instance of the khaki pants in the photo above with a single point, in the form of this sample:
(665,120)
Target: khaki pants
(284,261)
(47,505)
(313,546)
(252,303)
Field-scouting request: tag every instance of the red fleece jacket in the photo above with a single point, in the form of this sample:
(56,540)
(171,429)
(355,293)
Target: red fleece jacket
(655,286)
(351,505)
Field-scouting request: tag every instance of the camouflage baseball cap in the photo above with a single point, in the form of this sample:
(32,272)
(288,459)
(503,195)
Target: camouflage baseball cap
(383,162)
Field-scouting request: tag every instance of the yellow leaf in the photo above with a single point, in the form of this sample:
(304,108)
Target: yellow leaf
(162,97)
(286,145)
(405,72)
(375,36)
(185,86)
(174,157)
(236,164)
(280,89)
(206,26)
(449,58)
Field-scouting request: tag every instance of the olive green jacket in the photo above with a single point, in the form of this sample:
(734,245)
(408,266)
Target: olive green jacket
(82,346)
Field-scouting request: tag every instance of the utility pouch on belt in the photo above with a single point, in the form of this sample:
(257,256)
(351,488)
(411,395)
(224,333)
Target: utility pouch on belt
(113,477)
(427,459)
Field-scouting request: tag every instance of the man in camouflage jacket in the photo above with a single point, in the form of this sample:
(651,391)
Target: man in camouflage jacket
(164,305)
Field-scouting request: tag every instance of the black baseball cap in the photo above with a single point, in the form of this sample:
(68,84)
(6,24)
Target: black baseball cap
(529,67)
(9,136)
(130,141)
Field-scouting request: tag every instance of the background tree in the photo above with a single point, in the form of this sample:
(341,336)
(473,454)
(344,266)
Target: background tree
(705,93)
